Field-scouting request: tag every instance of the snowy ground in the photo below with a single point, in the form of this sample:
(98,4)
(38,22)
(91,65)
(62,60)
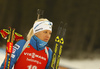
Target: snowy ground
(71,64)
(2,55)
(81,64)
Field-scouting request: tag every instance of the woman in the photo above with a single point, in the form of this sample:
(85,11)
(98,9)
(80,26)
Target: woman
(33,53)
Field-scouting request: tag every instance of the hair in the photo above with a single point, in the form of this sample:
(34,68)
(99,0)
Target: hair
(31,33)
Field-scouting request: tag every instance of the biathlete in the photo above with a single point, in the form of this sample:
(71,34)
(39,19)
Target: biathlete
(33,53)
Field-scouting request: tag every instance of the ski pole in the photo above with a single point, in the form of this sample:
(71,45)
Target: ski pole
(8,40)
(12,35)
(10,47)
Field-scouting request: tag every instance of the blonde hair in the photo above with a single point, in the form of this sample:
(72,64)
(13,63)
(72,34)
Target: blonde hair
(31,33)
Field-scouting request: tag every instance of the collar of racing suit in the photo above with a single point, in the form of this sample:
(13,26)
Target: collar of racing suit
(37,43)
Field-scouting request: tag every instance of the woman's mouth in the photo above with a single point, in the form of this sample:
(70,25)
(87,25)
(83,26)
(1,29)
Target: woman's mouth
(46,40)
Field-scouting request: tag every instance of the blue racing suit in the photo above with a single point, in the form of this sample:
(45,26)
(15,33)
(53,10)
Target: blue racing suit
(17,49)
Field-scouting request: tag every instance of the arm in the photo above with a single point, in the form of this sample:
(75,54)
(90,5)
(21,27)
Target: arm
(49,59)
(17,48)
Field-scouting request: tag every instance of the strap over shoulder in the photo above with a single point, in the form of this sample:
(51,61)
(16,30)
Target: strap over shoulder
(46,51)
(26,44)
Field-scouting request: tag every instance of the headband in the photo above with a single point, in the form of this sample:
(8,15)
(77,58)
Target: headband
(42,25)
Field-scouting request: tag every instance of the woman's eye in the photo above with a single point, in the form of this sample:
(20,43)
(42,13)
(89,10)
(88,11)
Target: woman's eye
(45,32)
(50,33)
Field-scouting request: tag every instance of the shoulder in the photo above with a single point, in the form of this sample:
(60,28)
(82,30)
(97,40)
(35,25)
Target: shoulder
(19,44)
(49,50)
(49,57)
(17,48)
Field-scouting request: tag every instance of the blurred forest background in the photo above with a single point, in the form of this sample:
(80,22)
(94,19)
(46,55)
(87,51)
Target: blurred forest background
(82,16)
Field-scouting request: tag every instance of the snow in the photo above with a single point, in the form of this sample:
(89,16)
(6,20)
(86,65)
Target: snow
(71,64)
(2,55)
(81,64)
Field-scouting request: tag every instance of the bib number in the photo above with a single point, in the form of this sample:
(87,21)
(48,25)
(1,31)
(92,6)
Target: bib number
(32,67)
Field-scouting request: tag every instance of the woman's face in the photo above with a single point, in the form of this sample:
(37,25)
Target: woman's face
(44,35)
